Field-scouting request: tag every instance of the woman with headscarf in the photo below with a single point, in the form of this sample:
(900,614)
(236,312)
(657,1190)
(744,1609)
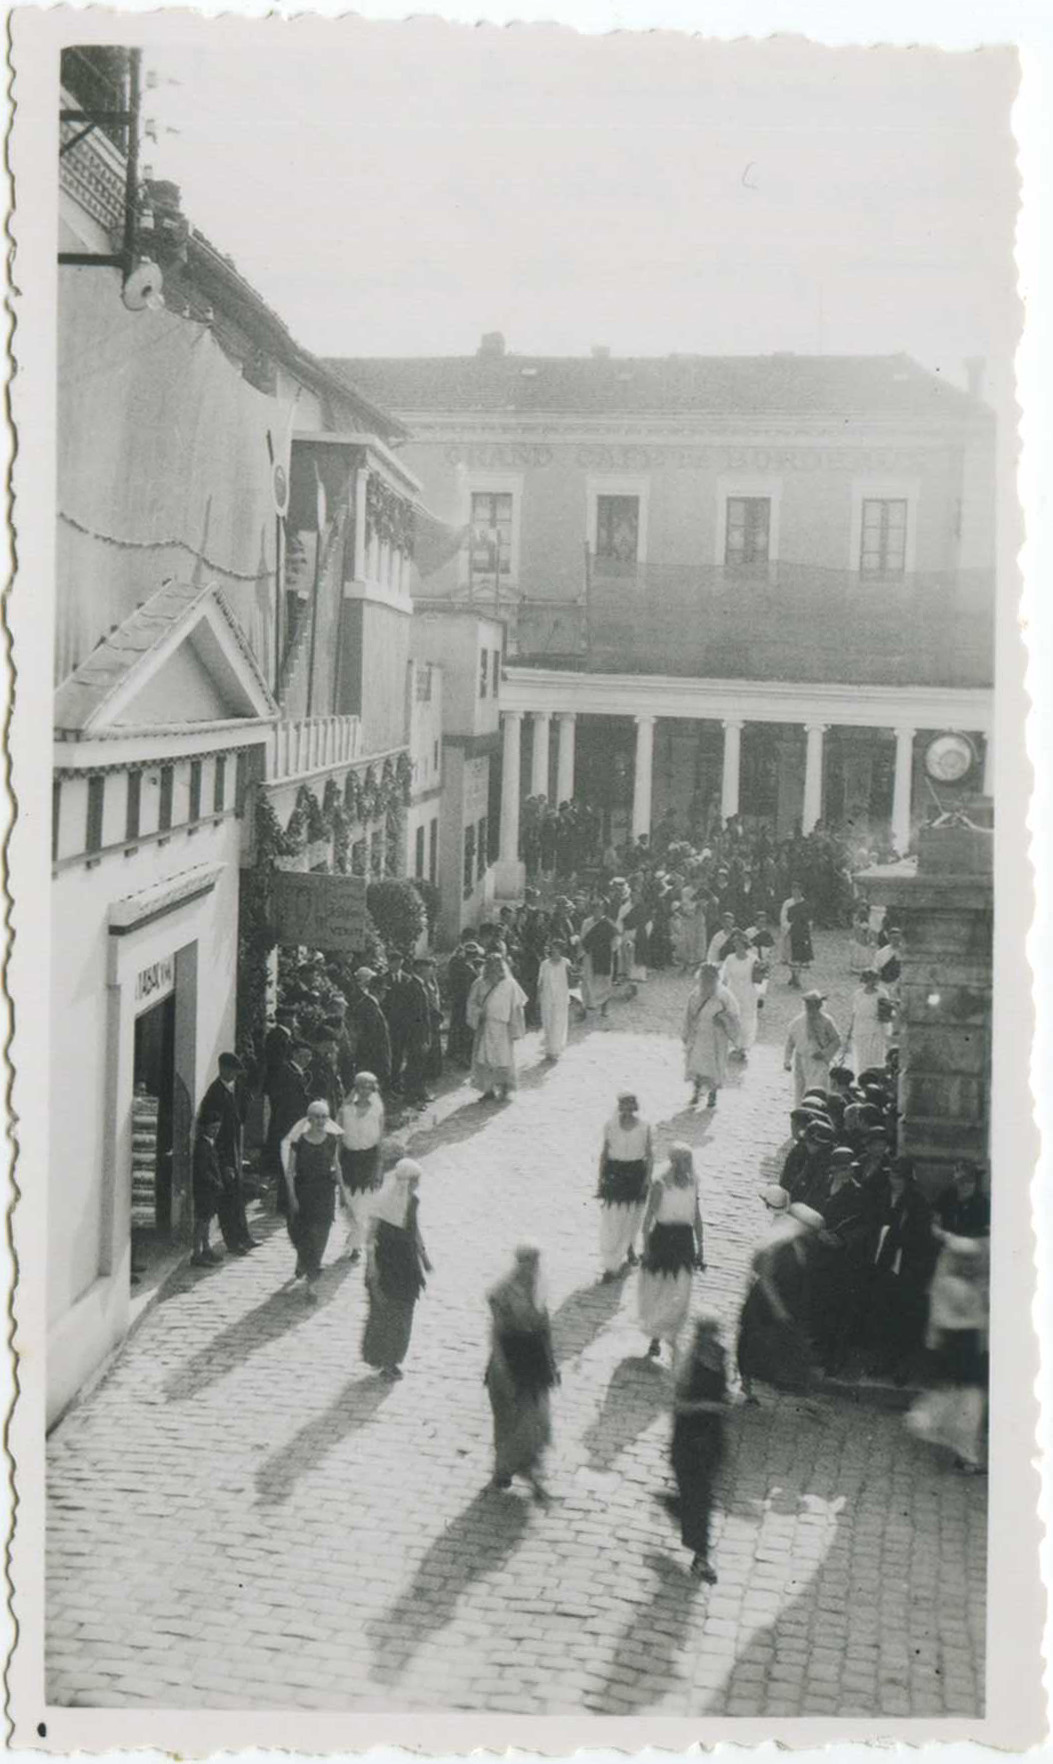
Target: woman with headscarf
(361,1123)
(711,1023)
(673,1247)
(600,938)
(496,1004)
(309,1156)
(774,1345)
(737,975)
(520,1373)
(626,1161)
(553,994)
(699,1407)
(396,1263)
(867,1032)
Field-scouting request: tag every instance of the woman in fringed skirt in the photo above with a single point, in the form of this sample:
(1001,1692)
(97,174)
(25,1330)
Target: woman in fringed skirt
(673,1248)
(626,1160)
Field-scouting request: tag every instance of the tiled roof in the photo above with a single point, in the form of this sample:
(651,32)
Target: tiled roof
(834,386)
(83,694)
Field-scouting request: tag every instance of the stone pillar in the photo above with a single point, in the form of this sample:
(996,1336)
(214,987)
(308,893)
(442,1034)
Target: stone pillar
(813,776)
(565,757)
(901,790)
(642,776)
(510,874)
(539,767)
(729,782)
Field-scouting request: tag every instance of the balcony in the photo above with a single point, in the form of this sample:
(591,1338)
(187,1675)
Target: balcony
(780,622)
(300,747)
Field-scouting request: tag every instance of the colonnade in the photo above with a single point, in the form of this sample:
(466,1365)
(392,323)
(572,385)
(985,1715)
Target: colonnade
(644,766)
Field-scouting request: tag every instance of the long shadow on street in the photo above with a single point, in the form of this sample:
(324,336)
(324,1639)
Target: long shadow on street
(637,1394)
(231,1347)
(480,1541)
(582,1316)
(353,1409)
(644,1666)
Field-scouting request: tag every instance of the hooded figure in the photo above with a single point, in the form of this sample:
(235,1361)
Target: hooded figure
(396,1263)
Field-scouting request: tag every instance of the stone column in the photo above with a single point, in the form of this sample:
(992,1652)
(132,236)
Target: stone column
(729,783)
(539,767)
(510,873)
(642,776)
(813,776)
(903,779)
(565,757)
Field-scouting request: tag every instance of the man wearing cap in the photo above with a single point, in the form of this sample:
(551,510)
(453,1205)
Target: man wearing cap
(811,1045)
(424,968)
(372,1041)
(288,1096)
(806,1180)
(462,971)
(406,1009)
(225,1101)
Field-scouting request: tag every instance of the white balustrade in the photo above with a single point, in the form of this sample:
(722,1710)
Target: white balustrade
(301,746)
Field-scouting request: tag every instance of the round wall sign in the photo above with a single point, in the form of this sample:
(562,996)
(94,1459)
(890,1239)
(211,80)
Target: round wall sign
(949,758)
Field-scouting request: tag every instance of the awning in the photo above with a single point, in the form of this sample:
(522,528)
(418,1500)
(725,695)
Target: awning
(436,541)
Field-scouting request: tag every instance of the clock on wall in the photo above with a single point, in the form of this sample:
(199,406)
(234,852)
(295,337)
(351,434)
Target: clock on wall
(949,758)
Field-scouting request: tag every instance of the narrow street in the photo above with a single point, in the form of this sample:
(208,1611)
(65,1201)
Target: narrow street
(243,1514)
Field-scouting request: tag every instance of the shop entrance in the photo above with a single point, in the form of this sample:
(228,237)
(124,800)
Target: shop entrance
(153,1111)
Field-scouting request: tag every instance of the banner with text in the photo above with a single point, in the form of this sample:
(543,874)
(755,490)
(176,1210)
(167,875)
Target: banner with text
(321,911)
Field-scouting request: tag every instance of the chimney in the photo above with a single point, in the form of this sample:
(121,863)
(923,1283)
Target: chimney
(600,352)
(975,370)
(491,343)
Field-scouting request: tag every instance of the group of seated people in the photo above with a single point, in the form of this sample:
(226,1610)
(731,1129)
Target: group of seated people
(875,1238)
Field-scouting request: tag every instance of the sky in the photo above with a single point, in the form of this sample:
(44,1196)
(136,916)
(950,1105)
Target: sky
(401,188)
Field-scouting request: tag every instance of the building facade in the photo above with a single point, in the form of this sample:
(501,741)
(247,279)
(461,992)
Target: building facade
(732,585)
(426,760)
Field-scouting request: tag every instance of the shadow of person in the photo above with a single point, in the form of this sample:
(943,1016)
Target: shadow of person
(579,1319)
(352,1410)
(657,1630)
(479,1541)
(233,1345)
(636,1394)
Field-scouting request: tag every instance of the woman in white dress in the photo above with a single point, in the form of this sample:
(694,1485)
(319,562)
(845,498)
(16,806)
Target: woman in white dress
(361,1124)
(867,1033)
(673,1248)
(553,993)
(711,1022)
(737,975)
(495,1016)
(626,1161)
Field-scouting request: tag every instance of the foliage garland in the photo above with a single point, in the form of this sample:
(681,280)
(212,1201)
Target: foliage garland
(389,517)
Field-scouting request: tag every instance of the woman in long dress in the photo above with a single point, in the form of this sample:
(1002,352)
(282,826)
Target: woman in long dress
(867,1033)
(699,1407)
(693,910)
(799,951)
(361,1122)
(673,1247)
(310,1164)
(599,945)
(737,975)
(711,1023)
(520,1373)
(952,1415)
(554,999)
(495,1016)
(774,1343)
(626,1161)
(396,1263)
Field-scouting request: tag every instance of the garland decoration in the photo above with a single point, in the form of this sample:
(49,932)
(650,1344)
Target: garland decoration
(389,517)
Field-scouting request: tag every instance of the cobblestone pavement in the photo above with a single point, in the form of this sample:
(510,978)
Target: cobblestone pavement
(243,1515)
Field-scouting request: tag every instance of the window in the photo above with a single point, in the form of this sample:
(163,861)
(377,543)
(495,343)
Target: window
(496,673)
(96,798)
(133,807)
(883,538)
(164,812)
(469,860)
(433,850)
(490,544)
(747,533)
(418,854)
(482,672)
(618,528)
(480,852)
(195,790)
(219,787)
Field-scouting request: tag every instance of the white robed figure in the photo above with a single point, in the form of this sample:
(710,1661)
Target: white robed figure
(495,1015)
(867,1034)
(553,994)
(711,1022)
(626,1161)
(812,1043)
(737,975)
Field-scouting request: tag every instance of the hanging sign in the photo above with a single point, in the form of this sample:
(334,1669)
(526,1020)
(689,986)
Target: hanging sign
(320,911)
(154,983)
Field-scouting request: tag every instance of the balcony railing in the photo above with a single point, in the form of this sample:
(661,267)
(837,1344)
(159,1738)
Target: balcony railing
(780,621)
(301,746)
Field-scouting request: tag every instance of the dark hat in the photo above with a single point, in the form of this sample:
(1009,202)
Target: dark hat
(872,1075)
(842,1154)
(821,1130)
(231,1061)
(876,1133)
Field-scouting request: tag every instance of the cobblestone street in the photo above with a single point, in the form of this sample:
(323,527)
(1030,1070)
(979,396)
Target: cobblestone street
(242,1514)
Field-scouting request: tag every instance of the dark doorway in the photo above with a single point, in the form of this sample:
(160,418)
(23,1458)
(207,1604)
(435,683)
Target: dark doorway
(152,1133)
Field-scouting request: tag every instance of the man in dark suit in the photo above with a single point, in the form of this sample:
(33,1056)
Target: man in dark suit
(226,1101)
(406,1009)
(288,1096)
(369,1024)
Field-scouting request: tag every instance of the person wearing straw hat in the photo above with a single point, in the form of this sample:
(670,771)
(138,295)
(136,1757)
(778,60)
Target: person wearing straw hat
(396,1263)
(812,1043)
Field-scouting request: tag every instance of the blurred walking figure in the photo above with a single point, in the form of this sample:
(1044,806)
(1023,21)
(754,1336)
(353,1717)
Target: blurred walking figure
(554,999)
(952,1414)
(626,1162)
(361,1122)
(396,1263)
(711,1023)
(774,1344)
(520,1373)
(673,1248)
(699,1406)
(309,1160)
